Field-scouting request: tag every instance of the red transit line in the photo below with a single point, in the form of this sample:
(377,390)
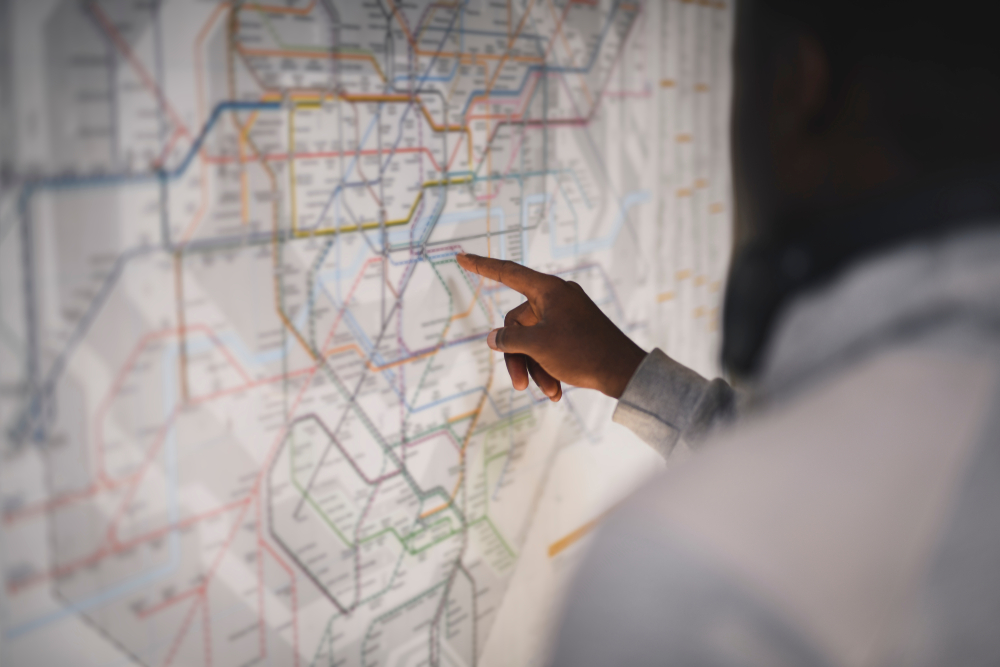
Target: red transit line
(320,155)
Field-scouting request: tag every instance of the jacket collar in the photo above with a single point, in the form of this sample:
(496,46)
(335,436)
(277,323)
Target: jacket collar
(768,275)
(900,293)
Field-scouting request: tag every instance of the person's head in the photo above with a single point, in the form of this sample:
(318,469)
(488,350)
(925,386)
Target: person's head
(857,125)
(838,99)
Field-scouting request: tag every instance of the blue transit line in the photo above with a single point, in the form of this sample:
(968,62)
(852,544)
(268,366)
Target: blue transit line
(397,237)
(421,231)
(13,220)
(117,179)
(235,342)
(572,212)
(25,422)
(593,245)
(445,399)
(423,78)
(447,31)
(173,515)
(451,218)
(117,591)
(510,450)
(354,160)
(532,402)
(487,33)
(411,409)
(104,291)
(340,272)
(548,68)
(391,153)
(313,289)
(222,107)
(579,420)
(503,237)
(462,31)
(75,180)
(363,339)
(96,180)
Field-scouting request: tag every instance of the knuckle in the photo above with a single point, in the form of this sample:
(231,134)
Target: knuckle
(554,289)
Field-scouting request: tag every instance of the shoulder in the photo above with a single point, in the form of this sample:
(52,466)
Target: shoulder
(813,515)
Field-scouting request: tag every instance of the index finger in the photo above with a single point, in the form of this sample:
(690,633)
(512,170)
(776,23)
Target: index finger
(515,276)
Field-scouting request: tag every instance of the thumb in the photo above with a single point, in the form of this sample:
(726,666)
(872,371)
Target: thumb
(515,339)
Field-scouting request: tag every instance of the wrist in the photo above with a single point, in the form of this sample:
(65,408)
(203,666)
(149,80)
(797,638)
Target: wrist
(621,368)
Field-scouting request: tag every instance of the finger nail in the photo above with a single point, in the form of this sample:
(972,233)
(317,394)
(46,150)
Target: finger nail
(491,340)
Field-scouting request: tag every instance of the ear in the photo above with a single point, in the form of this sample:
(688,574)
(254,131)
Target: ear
(802,84)
(797,129)
(814,76)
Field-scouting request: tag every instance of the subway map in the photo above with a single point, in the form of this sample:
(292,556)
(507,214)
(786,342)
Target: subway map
(248,413)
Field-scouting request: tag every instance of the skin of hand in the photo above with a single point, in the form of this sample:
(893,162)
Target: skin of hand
(558,335)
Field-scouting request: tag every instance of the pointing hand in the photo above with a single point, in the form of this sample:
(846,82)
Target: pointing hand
(558,335)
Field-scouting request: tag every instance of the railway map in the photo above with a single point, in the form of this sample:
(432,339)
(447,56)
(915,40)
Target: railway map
(248,413)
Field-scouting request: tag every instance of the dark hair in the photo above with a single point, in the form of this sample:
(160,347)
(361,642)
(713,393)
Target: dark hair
(930,74)
(937,68)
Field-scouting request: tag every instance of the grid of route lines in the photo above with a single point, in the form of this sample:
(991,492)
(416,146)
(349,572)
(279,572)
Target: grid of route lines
(248,412)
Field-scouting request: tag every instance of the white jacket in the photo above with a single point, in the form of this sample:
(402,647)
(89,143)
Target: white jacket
(850,515)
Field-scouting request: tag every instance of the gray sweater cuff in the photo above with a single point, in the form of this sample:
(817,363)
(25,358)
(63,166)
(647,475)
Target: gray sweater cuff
(665,401)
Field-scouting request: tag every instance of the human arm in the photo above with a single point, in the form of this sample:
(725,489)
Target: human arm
(560,335)
(666,401)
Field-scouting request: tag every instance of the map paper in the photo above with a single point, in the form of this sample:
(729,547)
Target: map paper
(248,413)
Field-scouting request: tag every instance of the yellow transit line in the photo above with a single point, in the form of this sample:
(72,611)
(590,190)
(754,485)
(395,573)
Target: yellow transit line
(327,231)
(574,536)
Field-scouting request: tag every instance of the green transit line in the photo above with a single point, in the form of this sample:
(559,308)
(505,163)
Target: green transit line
(496,532)
(388,448)
(385,531)
(393,610)
(431,431)
(444,330)
(420,493)
(486,430)
(506,423)
(472,288)
(501,455)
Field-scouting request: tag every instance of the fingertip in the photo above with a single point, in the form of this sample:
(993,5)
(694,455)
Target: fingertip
(491,340)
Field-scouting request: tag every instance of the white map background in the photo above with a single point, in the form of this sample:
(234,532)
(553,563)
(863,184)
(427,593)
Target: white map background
(248,414)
